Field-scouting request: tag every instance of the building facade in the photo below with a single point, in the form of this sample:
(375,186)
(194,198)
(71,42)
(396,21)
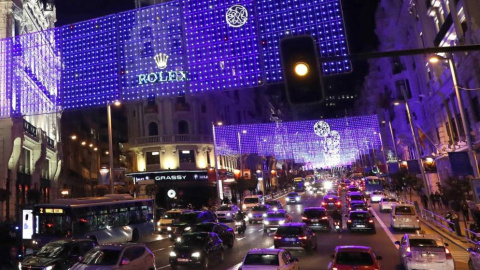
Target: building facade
(426,87)
(30,156)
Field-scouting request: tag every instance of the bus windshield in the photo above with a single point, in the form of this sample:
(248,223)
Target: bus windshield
(54,225)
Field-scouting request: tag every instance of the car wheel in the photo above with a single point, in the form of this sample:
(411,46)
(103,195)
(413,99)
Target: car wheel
(205,264)
(470,265)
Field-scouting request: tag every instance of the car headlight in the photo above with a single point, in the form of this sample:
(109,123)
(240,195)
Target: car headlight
(169,228)
(34,242)
(188,229)
(179,239)
(274,209)
(244,207)
(265,215)
(50,267)
(229,214)
(281,222)
(19,265)
(250,215)
(266,222)
(158,223)
(173,254)
(297,198)
(196,254)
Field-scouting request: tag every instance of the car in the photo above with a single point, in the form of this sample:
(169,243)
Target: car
(275,219)
(167,219)
(331,203)
(251,201)
(269,259)
(197,249)
(295,235)
(226,212)
(258,213)
(274,204)
(404,216)
(358,205)
(360,221)
(316,218)
(474,260)
(376,196)
(226,234)
(354,257)
(424,251)
(129,256)
(386,204)
(11,246)
(332,193)
(61,254)
(353,188)
(293,197)
(186,222)
(355,196)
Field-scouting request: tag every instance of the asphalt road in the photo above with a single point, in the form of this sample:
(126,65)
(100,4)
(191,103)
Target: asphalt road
(317,259)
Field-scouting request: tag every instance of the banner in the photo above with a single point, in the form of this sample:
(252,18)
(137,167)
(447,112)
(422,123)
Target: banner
(460,163)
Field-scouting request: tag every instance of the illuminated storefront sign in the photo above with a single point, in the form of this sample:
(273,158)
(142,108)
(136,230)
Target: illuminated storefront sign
(170,176)
(170,76)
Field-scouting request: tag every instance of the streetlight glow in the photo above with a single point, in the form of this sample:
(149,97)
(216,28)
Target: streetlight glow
(90,145)
(73,137)
(396,103)
(301,69)
(95,149)
(244,131)
(84,143)
(117,103)
(434,59)
(219,123)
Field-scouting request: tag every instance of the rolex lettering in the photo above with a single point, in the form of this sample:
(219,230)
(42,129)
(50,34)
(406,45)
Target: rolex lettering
(162,76)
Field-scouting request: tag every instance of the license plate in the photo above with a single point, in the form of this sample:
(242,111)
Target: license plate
(183,260)
(407,220)
(360,226)
(330,203)
(290,239)
(314,220)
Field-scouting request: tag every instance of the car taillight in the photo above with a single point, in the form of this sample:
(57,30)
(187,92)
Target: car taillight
(324,217)
(393,217)
(338,203)
(302,238)
(324,203)
(349,208)
(448,254)
(349,221)
(304,218)
(370,221)
(276,237)
(418,219)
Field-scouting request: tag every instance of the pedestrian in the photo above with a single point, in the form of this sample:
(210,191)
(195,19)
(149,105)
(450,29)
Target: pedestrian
(424,199)
(465,211)
(449,217)
(432,200)
(438,199)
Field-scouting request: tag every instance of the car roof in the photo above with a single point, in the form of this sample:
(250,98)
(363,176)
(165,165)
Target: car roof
(278,211)
(253,196)
(293,224)
(424,236)
(314,208)
(119,246)
(353,248)
(355,193)
(292,193)
(359,211)
(198,233)
(403,204)
(357,202)
(271,251)
(330,196)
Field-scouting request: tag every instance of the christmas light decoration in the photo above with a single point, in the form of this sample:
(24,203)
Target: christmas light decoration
(172,48)
(299,141)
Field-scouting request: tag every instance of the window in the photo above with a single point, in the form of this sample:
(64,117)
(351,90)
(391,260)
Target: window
(152,129)
(153,158)
(46,169)
(25,162)
(186,156)
(403,86)
(183,127)
(397,65)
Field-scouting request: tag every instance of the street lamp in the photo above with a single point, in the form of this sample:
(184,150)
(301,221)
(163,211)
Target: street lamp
(417,148)
(240,149)
(472,157)
(110,142)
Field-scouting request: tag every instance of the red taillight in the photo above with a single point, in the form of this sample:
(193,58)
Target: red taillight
(349,208)
(338,203)
(448,254)
(393,217)
(304,218)
(324,203)
(370,221)
(408,253)
(349,221)
(277,237)
(302,238)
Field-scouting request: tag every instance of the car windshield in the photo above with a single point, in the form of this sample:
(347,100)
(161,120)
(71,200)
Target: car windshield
(250,200)
(102,257)
(404,210)
(260,208)
(51,250)
(330,199)
(171,215)
(377,192)
(224,208)
(425,243)
(188,218)
(292,194)
(356,197)
(205,227)
(194,240)
(358,205)
(311,213)
(272,203)
(289,230)
(261,259)
(359,215)
(276,215)
(354,258)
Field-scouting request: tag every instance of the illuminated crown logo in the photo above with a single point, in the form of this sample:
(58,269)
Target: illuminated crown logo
(161,60)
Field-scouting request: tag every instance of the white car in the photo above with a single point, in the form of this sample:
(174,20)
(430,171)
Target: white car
(404,216)
(425,251)
(387,203)
(376,196)
(251,201)
(167,219)
(226,212)
(474,261)
(269,259)
(117,256)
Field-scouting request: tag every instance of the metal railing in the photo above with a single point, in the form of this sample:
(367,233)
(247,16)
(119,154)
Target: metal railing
(184,138)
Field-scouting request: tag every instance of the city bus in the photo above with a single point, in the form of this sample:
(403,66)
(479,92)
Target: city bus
(299,184)
(113,218)
(373,183)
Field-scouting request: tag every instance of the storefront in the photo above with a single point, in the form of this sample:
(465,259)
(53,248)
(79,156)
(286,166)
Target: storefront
(177,188)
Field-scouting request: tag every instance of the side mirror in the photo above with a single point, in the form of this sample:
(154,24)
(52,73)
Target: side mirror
(446,244)
(379,258)
(125,261)
(397,243)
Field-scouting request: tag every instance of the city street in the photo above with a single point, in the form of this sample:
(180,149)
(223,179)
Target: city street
(317,259)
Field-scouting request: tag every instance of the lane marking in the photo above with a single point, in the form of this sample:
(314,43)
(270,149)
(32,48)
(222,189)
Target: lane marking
(240,239)
(385,228)
(165,266)
(170,246)
(157,250)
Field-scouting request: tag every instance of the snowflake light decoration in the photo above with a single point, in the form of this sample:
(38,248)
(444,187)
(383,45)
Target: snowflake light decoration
(237,16)
(322,128)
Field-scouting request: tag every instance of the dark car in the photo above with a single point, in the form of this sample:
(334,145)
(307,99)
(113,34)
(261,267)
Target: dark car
(316,218)
(194,249)
(331,203)
(10,246)
(360,221)
(61,254)
(186,222)
(274,204)
(355,196)
(355,205)
(293,197)
(226,234)
(295,235)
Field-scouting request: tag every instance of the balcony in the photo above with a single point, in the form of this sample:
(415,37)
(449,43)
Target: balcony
(174,139)
(30,129)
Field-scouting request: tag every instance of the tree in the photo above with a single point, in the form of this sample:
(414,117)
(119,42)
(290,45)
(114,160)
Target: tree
(4,195)
(403,180)
(121,190)
(151,190)
(134,189)
(100,190)
(33,196)
(456,190)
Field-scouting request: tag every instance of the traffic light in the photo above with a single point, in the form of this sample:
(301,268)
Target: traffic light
(301,70)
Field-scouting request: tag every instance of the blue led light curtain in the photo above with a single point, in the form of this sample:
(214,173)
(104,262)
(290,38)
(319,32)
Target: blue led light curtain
(322,143)
(181,46)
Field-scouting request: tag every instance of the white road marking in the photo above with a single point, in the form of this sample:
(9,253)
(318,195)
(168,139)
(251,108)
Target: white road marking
(260,230)
(165,266)
(170,246)
(157,250)
(240,239)
(385,228)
